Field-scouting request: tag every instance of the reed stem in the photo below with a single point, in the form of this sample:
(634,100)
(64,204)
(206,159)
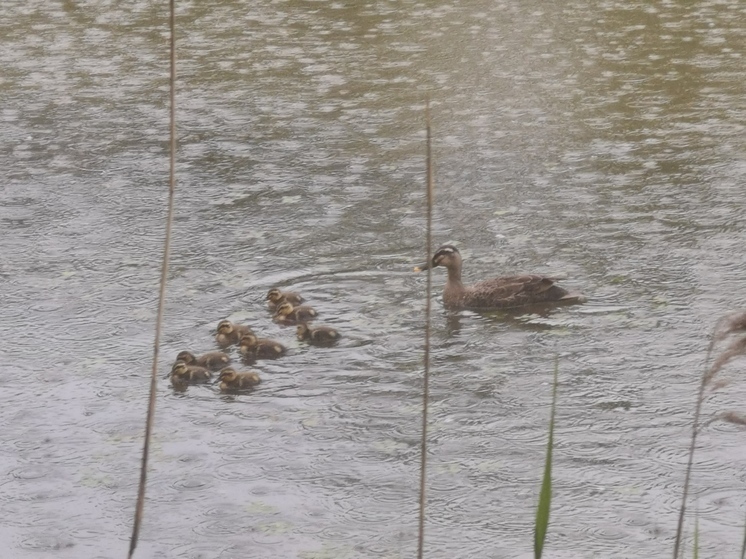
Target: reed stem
(139,507)
(426,376)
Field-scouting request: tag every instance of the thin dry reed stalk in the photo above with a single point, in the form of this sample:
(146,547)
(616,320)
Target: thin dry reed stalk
(140,505)
(426,376)
(730,325)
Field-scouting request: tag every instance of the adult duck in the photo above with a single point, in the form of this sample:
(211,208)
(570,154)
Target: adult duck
(502,292)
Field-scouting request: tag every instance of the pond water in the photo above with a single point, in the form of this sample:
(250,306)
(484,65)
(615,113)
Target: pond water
(603,140)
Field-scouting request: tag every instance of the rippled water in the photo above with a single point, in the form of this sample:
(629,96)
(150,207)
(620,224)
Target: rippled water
(601,139)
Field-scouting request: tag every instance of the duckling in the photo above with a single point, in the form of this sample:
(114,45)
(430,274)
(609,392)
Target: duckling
(260,348)
(286,313)
(229,333)
(275,297)
(213,360)
(183,375)
(318,335)
(496,293)
(232,381)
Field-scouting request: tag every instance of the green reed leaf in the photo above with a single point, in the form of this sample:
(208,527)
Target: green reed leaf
(545,495)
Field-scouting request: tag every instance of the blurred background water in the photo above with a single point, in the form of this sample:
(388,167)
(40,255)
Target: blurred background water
(602,139)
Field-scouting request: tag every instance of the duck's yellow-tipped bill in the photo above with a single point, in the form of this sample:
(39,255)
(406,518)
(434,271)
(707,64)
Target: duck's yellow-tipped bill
(421,267)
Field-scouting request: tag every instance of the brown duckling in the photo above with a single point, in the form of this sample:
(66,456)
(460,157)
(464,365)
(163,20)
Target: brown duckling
(260,348)
(213,360)
(232,381)
(275,297)
(496,293)
(230,333)
(286,313)
(317,335)
(183,375)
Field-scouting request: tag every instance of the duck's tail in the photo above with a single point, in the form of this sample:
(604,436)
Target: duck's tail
(572,297)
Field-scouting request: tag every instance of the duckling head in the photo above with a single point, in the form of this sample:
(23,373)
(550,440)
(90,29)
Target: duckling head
(179,369)
(247,342)
(446,255)
(284,309)
(302,331)
(186,356)
(225,327)
(228,374)
(274,295)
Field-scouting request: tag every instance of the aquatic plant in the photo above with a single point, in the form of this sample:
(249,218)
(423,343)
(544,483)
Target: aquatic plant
(426,355)
(545,494)
(731,327)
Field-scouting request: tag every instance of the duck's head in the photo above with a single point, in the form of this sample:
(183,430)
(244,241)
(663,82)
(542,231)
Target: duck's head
(274,295)
(186,356)
(179,369)
(446,255)
(284,309)
(225,327)
(247,342)
(302,331)
(228,374)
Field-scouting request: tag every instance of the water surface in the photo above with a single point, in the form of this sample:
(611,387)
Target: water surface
(603,140)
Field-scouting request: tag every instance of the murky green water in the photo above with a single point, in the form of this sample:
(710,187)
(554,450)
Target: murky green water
(601,139)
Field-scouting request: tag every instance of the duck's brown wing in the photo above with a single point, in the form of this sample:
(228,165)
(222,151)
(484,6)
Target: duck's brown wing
(513,291)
